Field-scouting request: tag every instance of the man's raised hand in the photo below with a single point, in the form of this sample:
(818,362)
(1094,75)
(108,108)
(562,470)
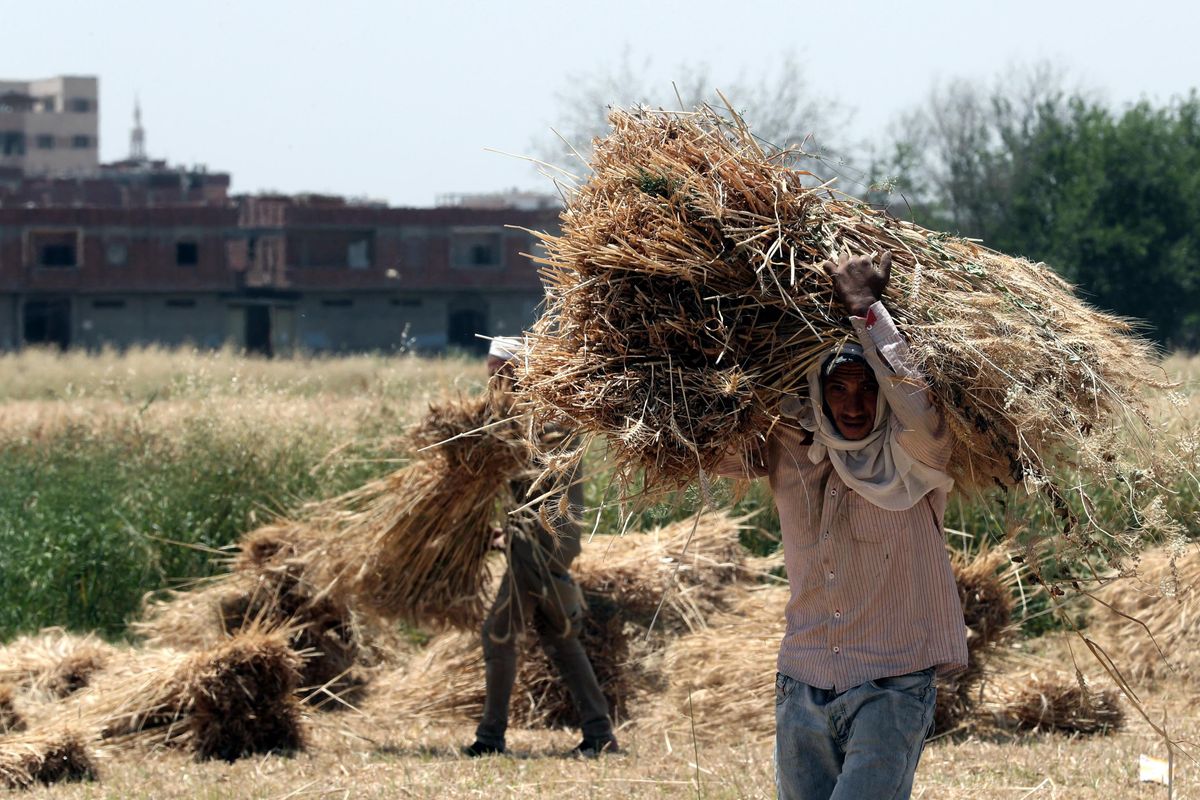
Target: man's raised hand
(857,282)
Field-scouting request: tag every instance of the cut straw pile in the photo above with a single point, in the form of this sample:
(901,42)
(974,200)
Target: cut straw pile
(1151,625)
(231,701)
(1057,702)
(53,662)
(44,757)
(686,300)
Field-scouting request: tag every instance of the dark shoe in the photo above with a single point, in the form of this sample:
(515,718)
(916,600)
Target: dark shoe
(482,749)
(593,748)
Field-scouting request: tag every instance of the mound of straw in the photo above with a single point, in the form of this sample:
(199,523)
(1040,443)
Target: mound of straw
(234,700)
(987,601)
(10,719)
(267,589)
(721,679)
(414,545)
(1150,623)
(54,662)
(44,757)
(1059,703)
(686,300)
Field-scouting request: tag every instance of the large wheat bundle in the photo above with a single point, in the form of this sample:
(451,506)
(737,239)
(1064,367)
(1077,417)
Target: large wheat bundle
(44,757)
(686,301)
(10,718)
(233,700)
(414,545)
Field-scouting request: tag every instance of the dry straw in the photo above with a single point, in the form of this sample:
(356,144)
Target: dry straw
(236,699)
(414,545)
(1058,702)
(44,757)
(686,300)
(54,662)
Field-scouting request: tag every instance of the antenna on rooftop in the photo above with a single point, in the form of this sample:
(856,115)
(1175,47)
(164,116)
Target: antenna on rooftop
(137,137)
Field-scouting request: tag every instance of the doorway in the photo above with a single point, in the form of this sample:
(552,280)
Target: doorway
(258,330)
(48,322)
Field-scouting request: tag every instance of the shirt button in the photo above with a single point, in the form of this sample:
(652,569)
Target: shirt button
(837,649)
(831,576)
(826,536)
(837,615)
(833,492)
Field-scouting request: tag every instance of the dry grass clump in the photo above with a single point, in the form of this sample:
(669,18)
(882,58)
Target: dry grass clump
(987,601)
(1162,639)
(414,545)
(1059,703)
(686,300)
(44,757)
(228,702)
(53,661)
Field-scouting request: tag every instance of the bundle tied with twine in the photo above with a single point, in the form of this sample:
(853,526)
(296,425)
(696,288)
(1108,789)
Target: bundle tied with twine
(44,757)
(686,300)
(414,545)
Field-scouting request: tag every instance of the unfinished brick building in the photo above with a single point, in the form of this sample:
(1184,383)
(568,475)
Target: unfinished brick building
(145,254)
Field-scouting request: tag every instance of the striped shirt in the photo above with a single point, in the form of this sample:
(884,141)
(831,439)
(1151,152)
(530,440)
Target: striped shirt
(872,591)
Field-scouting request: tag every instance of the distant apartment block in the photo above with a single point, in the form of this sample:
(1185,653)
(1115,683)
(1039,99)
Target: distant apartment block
(270,274)
(50,126)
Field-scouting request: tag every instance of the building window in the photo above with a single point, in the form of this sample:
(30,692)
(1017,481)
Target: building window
(339,302)
(477,249)
(12,143)
(45,141)
(181,303)
(358,254)
(54,248)
(81,142)
(116,254)
(50,104)
(79,104)
(407,302)
(187,254)
(108,304)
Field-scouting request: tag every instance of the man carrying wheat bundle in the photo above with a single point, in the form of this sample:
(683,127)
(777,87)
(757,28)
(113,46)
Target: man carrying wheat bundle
(537,591)
(858,474)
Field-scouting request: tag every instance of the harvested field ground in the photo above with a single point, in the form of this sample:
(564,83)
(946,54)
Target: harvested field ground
(362,759)
(174,410)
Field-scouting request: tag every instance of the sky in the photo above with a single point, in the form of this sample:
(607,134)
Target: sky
(404,101)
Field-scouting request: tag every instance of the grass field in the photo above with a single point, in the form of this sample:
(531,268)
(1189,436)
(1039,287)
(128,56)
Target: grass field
(123,473)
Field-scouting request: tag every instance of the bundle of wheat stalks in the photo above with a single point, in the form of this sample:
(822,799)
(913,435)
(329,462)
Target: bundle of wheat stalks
(53,662)
(1055,702)
(229,701)
(414,545)
(44,757)
(686,301)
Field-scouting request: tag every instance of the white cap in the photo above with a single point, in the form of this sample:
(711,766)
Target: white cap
(506,347)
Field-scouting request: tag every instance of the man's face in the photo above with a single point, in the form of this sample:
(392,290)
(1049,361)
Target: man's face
(852,394)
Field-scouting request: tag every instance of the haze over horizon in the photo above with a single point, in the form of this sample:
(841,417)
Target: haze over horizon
(401,101)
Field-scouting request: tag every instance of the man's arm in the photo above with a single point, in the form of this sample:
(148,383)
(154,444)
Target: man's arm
(859,286)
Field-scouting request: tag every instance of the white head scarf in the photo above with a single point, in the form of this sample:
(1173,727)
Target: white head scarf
(506,347)
(876,466)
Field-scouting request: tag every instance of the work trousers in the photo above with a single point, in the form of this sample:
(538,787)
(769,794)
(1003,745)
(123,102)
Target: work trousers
(551,603)
(861,743)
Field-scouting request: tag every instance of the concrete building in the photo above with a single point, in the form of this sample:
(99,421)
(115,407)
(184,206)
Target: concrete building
(50,126)
(271,274)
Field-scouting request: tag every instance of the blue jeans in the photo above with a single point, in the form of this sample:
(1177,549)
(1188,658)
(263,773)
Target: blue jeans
(860,744)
